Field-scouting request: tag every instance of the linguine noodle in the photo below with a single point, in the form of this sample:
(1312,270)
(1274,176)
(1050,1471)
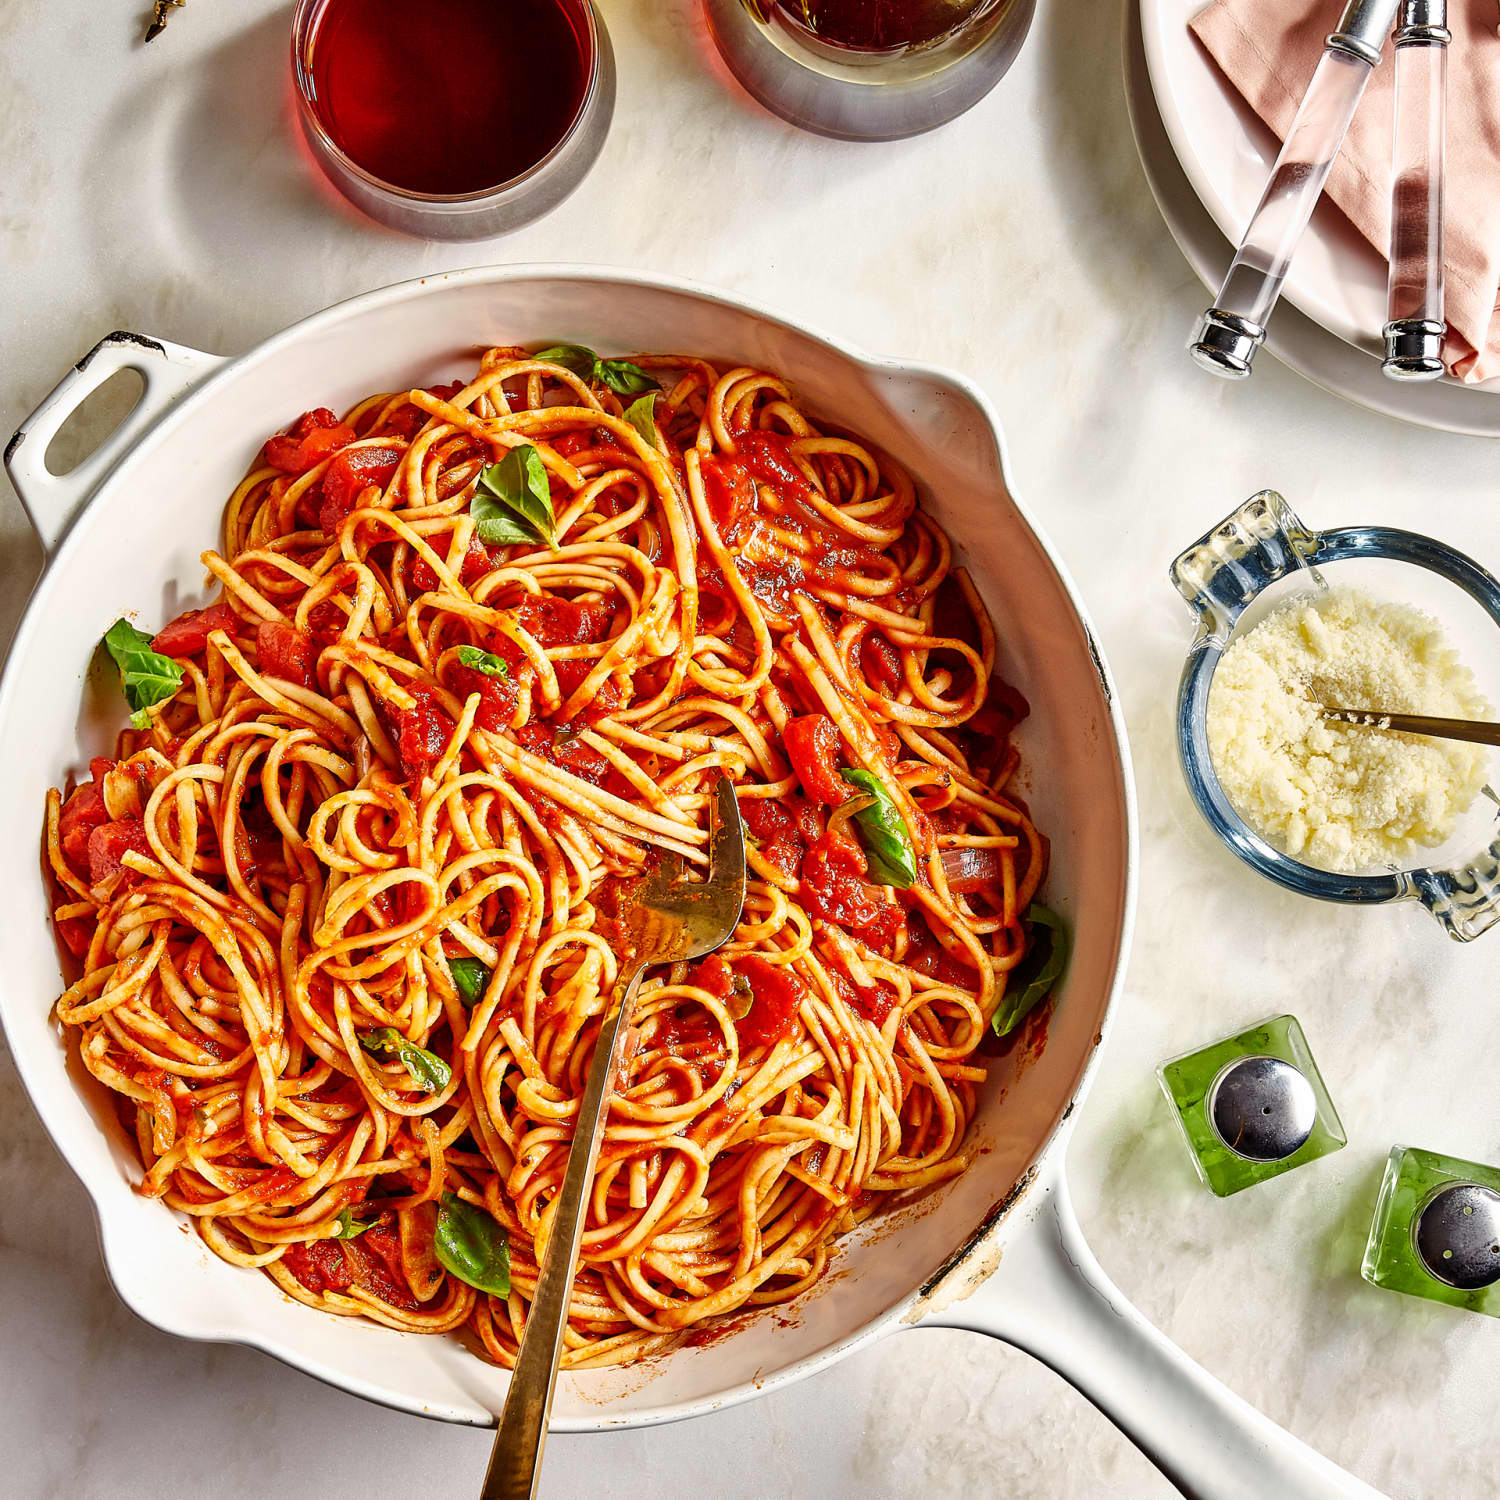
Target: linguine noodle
(344,908)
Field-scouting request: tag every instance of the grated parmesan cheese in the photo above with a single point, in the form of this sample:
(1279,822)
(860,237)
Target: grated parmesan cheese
(1333,795)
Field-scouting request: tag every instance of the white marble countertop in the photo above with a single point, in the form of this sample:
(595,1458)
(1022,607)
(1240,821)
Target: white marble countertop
(161,191)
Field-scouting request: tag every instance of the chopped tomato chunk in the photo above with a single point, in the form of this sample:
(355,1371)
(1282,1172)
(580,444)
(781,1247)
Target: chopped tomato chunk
(1002,710)
(347,477)
(82,813)
(564,622)
(608,696)
(476,563)
(565,750)
(310,439)
(497,695)
(834,888)
(812,746)
(379,1269)
(326,622)
(600,442)
(188,634)
(713,975)
(286,652)
(784,828)
(729,490)
(422,732)
(109,843)
(778,995)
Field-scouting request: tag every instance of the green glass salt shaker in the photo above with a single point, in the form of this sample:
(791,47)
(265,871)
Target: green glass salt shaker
(1436,1231)
(1252,1106)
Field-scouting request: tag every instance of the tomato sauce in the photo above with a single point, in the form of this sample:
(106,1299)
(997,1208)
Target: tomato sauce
(450,96)
(771,570)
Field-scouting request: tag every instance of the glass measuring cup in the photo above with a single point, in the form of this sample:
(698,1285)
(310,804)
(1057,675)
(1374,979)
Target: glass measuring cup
(1257,558)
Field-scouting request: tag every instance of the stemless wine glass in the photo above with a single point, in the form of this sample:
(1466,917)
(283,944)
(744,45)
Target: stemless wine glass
(840,68)
(490,210)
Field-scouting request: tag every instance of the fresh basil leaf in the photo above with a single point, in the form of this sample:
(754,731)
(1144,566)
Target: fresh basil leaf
(484,661)
(572,357)
(622,377)
(469,1243)
(470,978)
(513,500)
(425,1069)
(146,676)
(883,832)
(1034,978)
(351,1228)
(642,416)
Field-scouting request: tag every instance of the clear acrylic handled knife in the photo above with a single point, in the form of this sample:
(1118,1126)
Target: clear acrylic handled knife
(1416,325)
(1235,326)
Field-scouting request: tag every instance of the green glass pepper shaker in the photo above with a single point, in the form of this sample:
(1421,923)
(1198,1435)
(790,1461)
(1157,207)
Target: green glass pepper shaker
(1252,1106)
(1436,1231)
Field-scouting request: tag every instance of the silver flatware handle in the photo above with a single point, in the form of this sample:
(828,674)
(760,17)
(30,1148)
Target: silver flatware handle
(1416,323)
(516,1462)
(1235,326)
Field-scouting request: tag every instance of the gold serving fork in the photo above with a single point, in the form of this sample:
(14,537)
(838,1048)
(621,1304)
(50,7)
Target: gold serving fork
(1476,731)
(667,919)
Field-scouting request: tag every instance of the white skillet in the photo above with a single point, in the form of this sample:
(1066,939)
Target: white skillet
(998,1250)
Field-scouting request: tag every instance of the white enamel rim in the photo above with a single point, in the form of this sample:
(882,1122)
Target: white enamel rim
(1337,278)
(1047,1145)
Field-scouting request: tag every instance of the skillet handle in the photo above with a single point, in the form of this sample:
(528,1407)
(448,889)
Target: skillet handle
(52,501)
(1050,1297)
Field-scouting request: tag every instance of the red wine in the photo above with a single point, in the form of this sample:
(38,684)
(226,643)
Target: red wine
(879,25)
(449,96)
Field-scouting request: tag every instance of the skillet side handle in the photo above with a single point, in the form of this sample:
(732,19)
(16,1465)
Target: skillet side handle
(53,501)
(1051,1298)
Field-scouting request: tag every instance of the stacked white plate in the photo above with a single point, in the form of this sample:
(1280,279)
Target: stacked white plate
(1207,158)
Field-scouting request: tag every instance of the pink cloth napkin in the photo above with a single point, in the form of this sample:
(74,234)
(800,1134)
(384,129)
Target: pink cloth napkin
(1268,50)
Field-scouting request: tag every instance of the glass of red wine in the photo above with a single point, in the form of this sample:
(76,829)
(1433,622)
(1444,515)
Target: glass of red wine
(869,69)
(453,119)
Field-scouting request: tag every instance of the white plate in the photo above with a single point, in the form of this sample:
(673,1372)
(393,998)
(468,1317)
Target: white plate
(1227,154)
(1294,338)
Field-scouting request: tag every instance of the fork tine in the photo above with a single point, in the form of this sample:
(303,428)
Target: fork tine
(726,837)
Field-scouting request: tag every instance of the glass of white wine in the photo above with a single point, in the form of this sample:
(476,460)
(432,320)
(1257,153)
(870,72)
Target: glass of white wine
(869,69)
